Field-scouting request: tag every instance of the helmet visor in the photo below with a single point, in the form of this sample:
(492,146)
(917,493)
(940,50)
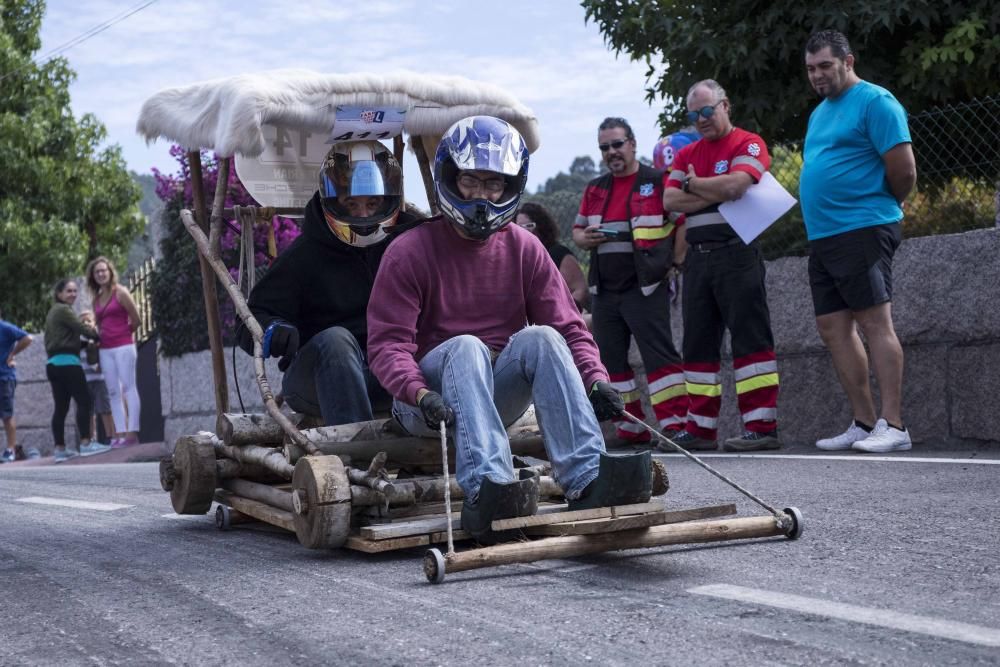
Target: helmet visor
(361,185)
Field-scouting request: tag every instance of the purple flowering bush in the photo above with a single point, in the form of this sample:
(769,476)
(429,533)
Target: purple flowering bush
(178,305)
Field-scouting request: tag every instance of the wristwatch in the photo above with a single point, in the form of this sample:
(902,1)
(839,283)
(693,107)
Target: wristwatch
(686,187)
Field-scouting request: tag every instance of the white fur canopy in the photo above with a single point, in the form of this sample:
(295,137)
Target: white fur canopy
(226,115)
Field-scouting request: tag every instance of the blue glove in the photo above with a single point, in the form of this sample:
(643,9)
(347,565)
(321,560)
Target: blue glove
(281,339)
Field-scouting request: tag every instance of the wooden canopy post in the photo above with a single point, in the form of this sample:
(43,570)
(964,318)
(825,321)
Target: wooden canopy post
(425,172)
(209,292)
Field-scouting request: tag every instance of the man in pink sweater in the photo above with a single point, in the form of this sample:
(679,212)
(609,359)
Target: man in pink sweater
(470,322)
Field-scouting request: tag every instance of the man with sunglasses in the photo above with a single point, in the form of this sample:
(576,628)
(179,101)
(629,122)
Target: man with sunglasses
(723,278)
(633,245)
(858,168)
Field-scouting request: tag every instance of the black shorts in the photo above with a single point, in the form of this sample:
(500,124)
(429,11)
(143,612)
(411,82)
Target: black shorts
(853,270)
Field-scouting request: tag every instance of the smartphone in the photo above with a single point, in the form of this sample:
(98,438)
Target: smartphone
(615,235)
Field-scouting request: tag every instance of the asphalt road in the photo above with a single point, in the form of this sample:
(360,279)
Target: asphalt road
(897,565)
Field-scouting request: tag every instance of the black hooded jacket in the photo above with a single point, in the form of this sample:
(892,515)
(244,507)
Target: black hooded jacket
(319,281)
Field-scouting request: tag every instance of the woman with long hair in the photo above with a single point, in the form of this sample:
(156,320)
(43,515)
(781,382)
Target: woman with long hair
(63,335)
(537,220)
(117,318)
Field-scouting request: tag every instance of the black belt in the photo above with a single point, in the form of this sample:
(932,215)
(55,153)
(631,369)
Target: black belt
(709,246)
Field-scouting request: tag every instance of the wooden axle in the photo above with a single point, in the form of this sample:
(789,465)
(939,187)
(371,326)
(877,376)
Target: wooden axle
(436,565)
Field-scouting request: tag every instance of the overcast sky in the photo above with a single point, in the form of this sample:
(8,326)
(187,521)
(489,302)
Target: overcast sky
(541,51)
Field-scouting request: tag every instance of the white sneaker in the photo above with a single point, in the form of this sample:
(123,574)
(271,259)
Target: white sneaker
(884,438)
(844,440)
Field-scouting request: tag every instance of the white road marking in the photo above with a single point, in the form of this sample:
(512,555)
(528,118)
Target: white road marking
(927,625)
(183,516)
(75,504)
(834,457)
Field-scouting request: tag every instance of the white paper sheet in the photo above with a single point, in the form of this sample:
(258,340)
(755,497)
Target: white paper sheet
(758,208)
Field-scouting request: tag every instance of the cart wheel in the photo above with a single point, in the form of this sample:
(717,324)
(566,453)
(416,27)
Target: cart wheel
(434,566)
(795,530)
(322,500)
(223,518)
(193,488)
(167,476)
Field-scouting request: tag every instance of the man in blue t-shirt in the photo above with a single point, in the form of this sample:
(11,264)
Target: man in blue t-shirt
(12,341)
(858,168)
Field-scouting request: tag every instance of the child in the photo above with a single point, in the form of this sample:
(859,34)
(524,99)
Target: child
(95,385)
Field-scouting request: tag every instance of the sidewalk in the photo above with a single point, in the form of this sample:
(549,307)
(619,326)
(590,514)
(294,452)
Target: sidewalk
(143,452)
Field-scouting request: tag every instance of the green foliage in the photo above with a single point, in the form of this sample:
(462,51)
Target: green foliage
(178,306)
(925,52)
(62,199)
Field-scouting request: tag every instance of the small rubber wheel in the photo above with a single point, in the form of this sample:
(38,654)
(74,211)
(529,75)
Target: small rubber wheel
(223,518)
(795,530)
(434,566)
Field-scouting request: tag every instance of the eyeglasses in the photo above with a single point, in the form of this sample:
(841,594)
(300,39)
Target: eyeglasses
(491,185)
(704,112)
(614,144)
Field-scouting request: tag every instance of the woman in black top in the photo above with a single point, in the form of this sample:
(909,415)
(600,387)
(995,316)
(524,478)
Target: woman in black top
(536,219)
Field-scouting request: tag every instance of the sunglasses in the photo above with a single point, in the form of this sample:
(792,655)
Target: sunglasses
(614,144)
(704,112)
(528,225)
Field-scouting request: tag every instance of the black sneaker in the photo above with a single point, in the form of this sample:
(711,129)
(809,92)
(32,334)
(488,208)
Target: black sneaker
(688,441)
(500,501)
(19,454)
(751,441)
(621,480)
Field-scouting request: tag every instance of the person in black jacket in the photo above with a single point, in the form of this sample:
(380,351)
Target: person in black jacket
(312,302)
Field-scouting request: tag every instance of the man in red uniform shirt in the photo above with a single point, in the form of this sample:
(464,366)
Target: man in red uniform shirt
(632,247)
(723,278)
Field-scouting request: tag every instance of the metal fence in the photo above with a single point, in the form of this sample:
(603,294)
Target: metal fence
(957,148)
(137,283)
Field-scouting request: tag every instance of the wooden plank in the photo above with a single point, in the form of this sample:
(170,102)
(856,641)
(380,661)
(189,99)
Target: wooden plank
(257,510)
(547,514)
(612,524)
(358,543)
(578,515)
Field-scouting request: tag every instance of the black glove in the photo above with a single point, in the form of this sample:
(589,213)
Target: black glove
(435,410)
(606,400)
(281,340)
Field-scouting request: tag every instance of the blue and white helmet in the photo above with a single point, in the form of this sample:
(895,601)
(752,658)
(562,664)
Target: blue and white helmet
(480,143)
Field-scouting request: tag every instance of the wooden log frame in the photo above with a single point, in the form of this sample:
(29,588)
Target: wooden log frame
(208,288)
(252,429)
(426,173)
(205,249)
(266,457)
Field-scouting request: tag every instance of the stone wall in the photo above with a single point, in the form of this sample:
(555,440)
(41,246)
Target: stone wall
(947,314)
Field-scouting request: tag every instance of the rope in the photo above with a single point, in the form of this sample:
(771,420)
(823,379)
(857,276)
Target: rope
(781,516)
(247,215)
(447,486)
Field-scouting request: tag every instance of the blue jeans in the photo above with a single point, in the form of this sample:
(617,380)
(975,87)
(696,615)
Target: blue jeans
(487,397)
(329,377)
